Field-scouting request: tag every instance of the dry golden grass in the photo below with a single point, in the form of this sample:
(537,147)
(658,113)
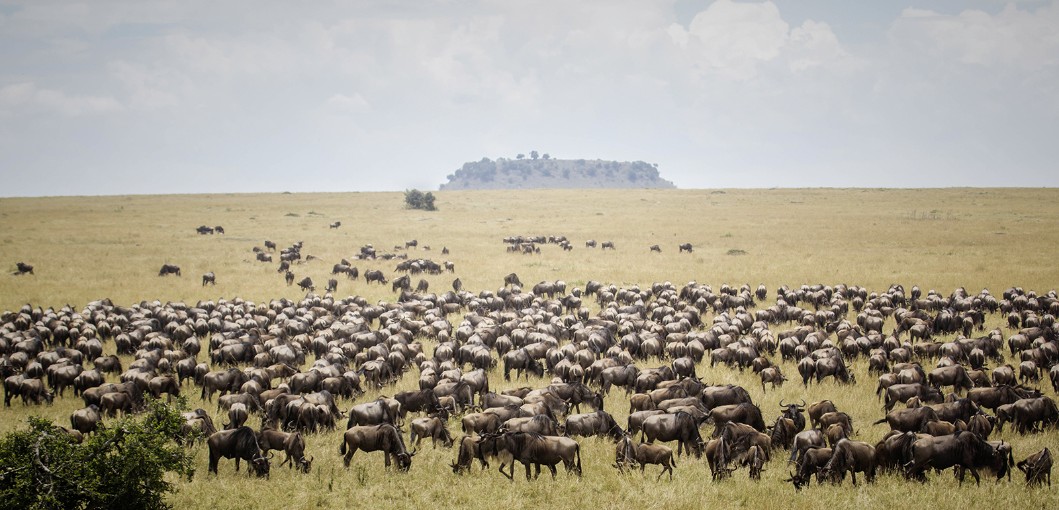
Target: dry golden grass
(86,248)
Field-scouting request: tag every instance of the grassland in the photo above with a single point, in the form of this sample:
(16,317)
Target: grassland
(86,248)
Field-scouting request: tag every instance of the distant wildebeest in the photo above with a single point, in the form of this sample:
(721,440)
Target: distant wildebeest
(23,268)
(656,248)
(209,278)
(374,275)
(332,285)
(686,247)
(289,277)
(335,224)
(607,244)
(169,269)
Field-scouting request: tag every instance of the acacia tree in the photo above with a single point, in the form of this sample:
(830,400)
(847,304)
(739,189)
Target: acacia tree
(121,466)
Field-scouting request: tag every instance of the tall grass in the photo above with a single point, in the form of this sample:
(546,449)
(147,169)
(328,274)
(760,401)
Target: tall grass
(86,248)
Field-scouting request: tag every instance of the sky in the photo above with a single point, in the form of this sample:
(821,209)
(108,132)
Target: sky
(146,97)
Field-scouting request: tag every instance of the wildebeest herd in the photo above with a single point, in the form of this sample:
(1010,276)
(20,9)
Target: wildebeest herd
(297,369)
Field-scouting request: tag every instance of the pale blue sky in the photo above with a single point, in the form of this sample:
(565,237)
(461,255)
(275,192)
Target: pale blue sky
(113,97)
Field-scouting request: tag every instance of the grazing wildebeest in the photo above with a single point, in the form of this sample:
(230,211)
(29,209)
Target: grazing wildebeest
(293,448)
(851,456)
(1037,467)
(306,284)
(23,268)
(812,462)
(240,443)
(209,278)
(686,247)
(432,427)
(374,438)
(168,269)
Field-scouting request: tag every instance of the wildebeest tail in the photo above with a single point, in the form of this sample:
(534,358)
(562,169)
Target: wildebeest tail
(577,451)
(342,447)
(879,421)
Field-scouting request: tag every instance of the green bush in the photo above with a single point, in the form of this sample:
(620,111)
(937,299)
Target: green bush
(122,466)
(415,199)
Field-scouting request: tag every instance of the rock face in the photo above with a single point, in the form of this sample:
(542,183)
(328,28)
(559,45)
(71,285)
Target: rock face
(554,173)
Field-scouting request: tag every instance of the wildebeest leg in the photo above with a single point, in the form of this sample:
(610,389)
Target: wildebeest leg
(551,467)
(512,475)
(853,476)
(349,456)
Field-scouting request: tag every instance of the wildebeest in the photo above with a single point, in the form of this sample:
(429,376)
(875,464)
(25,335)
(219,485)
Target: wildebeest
(686,247)
(902,392)
(168,269)
(851,456)
(754,460)
(1026,413)
(432,427)
(959,449)
(656,248)
(520,360)
(209,278)
(772,375)
(291,443)
(599,423)
(86,420)
(1001,394)
(374,438)
(335,224)
(240,443)
(955,376)
(374,275)
(534,449)
(23,268)
(606,244)
(812,462)
(512,279)
(469,449)
(680,427)
(629,454)
(908,420)
(1037,467)
(718,455)
(377,412)
(306,284)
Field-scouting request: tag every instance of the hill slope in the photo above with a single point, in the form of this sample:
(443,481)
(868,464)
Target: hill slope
(554,173)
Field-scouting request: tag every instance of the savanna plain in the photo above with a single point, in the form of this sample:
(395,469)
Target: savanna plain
(89,248)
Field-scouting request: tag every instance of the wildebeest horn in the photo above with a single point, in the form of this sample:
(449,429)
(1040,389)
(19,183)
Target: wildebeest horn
(271,454)
(782,405)
(803,402)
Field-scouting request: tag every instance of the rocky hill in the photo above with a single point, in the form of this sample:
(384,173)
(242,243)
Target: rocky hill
(545,172)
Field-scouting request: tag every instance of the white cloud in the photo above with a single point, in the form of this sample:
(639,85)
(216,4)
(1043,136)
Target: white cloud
(29,96)
(733,40)
(1013,38)
(348,104)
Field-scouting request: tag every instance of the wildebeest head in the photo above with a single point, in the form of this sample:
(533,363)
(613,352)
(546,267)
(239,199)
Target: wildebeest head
(259,465)
(404,460)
